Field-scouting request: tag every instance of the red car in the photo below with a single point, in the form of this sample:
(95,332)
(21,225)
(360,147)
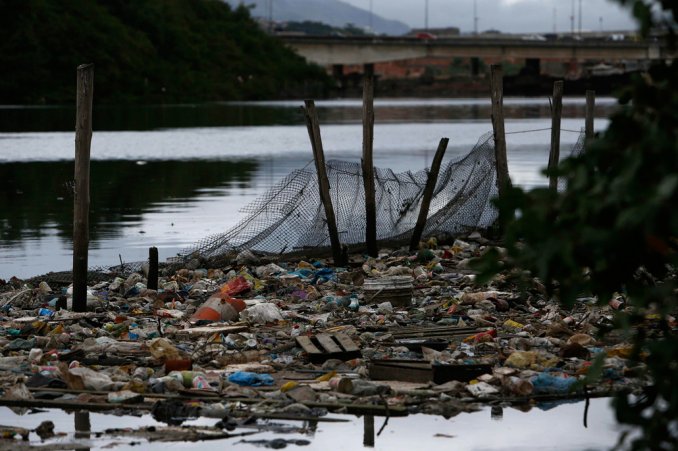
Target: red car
(425,35)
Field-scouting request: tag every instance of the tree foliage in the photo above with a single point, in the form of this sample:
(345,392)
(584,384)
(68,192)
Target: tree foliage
(146,50)
(614,229)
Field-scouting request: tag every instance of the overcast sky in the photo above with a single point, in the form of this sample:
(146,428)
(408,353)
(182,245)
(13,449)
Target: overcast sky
(517,16)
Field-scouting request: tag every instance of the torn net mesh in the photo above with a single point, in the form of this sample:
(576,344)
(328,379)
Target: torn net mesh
(290,217)
(575,151)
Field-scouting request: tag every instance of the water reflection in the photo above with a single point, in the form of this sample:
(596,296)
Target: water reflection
(205,162)
(144,117)
(557,428)
(154,117)
(37,197)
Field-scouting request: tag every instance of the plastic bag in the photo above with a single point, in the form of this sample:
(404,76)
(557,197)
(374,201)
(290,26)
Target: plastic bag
(235,286)
(481,389)
(218,309)
(90,379)
(549,383)
(250,379)
(262,313)
(163,349)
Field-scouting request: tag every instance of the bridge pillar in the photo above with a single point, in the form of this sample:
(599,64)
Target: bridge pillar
(533,66)
(368,69)
(338,75)
(475,67)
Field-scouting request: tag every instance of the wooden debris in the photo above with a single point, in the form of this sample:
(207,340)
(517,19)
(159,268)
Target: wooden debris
(323,347)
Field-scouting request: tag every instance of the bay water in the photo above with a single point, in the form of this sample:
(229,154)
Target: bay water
(170,175)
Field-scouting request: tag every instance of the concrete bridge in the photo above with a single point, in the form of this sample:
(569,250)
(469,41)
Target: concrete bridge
(336,51)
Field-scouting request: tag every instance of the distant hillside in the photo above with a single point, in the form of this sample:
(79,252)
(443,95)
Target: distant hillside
(145,50)
(332,12)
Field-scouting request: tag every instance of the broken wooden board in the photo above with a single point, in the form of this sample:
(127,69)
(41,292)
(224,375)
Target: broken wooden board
(423,371)
(212,329)
(323,347)
(400,370)
(434,332)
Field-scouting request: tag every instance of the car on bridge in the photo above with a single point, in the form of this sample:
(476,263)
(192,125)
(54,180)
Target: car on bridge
(424,35)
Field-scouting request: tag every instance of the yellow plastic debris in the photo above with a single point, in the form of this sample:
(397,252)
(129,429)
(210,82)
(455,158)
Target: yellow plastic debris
(326,377)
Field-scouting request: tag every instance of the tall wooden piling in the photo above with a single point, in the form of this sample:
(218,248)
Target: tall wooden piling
(590,111)
(313,126)
(367,162)
(152,268)
(497,93)
(83,140)
(428,194)
(556,115)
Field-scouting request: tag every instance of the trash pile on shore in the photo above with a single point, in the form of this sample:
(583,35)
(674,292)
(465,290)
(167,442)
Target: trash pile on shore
(408,332)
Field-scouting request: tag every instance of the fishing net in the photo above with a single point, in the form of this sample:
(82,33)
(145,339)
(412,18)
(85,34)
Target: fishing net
(575,151)
(290,217)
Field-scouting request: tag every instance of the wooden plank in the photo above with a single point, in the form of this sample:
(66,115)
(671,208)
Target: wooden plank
(307,345)
(431,333)
(346,342)
(411,373)
(362,409)
(328,343)
(433,330)
(396,363)
(209,330)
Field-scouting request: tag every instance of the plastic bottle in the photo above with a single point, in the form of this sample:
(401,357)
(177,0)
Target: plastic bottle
(355,303)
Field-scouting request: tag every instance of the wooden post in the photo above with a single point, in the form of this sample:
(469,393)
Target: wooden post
(319,157)
(83,140)
(83,427)
(367,162)
(428,194)
(152,268)
(554,155)
(590,111)
(497,93)
(368,431)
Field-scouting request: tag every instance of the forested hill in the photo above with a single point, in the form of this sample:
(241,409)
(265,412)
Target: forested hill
(144,51)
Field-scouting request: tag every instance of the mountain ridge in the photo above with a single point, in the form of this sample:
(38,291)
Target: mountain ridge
(332,12)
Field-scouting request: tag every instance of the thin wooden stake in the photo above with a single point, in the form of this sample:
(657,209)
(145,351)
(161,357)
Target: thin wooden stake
(428,194)
(554,155)
(152,268)
(83,140)
(497,93)
(313,126)
(367,162)
(590,110)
